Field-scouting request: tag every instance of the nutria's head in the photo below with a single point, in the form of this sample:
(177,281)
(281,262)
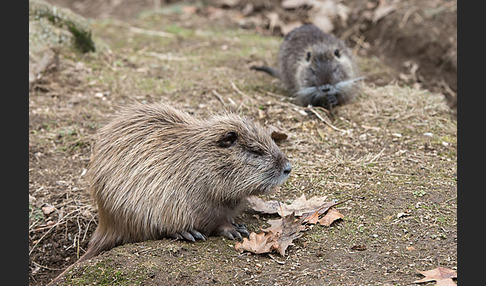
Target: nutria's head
(242,157)
(327,69)
(326,64)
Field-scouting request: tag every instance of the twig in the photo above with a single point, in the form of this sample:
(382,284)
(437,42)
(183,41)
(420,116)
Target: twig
(279,96)
(453,198)
(45,267)
(218,96)
(166,57)
(233,85)
(274,259)
(151,32)
(377,155)
(305,215)
(326,121)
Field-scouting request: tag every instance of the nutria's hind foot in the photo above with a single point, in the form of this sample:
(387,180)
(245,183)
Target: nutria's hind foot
(234,231)
(191,235)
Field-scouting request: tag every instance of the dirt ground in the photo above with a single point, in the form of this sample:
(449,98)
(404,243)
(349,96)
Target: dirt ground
(393,149)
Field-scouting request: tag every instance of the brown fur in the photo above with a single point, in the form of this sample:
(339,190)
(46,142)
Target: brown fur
(158,172)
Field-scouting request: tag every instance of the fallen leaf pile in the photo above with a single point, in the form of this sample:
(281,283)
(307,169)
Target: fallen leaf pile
(278,236)
(281,233)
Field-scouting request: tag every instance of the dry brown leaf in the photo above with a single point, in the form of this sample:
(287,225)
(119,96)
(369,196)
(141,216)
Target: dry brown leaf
(441,275)
(48,209)
(287,27)
(275,226)
(279,236)
(257,243)
(321,210)
(323,14)
(259,205)
(291,229)
(285,225)
(331,216)
(312,218)
(323,21)
(298,207)
(301,206)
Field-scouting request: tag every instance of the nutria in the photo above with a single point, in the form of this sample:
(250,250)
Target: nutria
(157,172)
(316,68)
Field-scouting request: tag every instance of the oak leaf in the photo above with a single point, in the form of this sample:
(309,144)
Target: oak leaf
(291,229)
(266,207)
(310,217)
(330,217)
(299,206)
(441,275)
(257,243)
(279,236)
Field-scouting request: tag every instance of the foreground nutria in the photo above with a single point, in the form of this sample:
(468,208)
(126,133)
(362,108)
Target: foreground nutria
(159,172)
(316,68)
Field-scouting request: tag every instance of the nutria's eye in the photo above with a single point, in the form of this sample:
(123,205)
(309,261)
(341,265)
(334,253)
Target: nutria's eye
(337,53)
(228,139)
(308,56)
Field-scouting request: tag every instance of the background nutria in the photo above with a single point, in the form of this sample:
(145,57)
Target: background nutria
(315,67)
(158,172)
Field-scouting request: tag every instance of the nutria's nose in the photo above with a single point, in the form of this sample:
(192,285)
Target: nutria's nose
(326,88)
(287,168)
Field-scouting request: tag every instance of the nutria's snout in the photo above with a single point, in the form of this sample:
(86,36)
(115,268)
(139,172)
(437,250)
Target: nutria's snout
(326,88)
(287,168)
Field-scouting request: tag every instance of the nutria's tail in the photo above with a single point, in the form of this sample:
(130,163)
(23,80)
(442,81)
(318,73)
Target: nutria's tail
(271,71)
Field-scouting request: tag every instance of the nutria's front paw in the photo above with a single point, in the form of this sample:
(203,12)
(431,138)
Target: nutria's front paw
(191,235)
(234,231)
(332,100)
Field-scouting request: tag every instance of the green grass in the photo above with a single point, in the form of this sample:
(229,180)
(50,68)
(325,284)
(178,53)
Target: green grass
(104,273)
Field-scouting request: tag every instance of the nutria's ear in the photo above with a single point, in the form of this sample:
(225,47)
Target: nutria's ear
(228,139)
(308,56)
(275,133)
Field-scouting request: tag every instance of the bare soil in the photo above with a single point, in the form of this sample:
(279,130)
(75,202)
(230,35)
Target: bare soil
(393,149)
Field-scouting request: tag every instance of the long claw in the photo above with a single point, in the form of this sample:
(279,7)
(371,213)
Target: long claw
(239,225)
(237,235)
(187,236)
(241,228)
(244,232)
(229,235)
(198,235)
